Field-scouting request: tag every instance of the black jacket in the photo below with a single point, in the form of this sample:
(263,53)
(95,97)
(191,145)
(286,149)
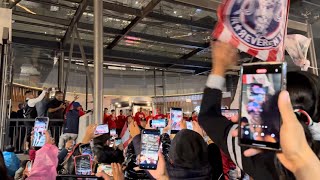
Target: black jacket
(218,128)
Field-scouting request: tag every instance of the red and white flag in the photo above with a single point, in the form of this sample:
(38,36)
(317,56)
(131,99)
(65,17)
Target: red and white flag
(125,136)
(257,27)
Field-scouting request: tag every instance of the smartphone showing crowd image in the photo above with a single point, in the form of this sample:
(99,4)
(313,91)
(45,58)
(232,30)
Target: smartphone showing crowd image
(105,168)
(40,127)
(113,132)
(230,114)
(85,149)
(150,142)
(83,165)
(158,123)
(260,118)
(102,129)
(189,125)
(176,115)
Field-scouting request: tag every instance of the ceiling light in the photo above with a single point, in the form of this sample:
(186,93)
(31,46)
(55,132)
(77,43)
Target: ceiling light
(175,12)
(137,2)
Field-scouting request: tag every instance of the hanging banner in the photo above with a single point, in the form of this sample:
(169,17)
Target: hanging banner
(5,23)
(257,27)
(297,47)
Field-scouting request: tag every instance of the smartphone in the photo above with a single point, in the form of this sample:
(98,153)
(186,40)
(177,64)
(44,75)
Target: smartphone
(85,149)
(260,119)
(102,129)
(105,168)
(230,113)
(83,165)
(158,123)
(150,142)
(176,115)
(29,166)
(189,125)
(118,141)
(113,132)
(40,126)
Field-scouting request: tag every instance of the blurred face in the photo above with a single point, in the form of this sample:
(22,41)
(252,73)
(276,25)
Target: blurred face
(59,97)
(143,124)
(130,119)
(113,112)
(105,111)
(121,112)
(140,109)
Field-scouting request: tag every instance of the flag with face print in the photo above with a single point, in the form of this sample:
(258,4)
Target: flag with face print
(257,27)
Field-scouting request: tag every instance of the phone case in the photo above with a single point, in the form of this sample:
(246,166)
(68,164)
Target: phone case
(283,87)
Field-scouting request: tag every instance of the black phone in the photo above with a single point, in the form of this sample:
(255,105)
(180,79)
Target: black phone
(158,123)
(176,115)
(260,118)
(150,142)
(83,165)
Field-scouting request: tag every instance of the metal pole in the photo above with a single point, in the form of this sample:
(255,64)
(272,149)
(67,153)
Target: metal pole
(312,51)
(84,58)
(164,92)
(68,67)
(61,70)
(155,92)
(87,92)
(98,61)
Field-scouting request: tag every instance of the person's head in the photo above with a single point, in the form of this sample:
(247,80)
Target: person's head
(194,113)
(21,105)
(29,95)
(143,122)
(106,110)
(140,110)
(59,95)
(130,119)
(150,113)
(113,112)
(9,148)
(3,168)
(76,106)
(108,155)
(121,112)
(188,153)
(130,112)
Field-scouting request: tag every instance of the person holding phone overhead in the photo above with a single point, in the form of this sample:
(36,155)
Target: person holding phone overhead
(302,85)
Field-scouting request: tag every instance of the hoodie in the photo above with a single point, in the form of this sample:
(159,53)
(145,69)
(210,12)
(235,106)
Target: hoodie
(188,157)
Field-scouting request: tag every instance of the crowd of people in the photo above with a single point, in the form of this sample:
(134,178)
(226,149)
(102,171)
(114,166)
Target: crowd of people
(209,151)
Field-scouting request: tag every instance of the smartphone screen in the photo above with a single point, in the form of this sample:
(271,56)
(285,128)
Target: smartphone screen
(86,149)
(113,132)
(260,119)
(82,165)
(176,116)
(150,141)
(118,141)
(102,129)
(105,168)
(40,126)
(230,114)
(29,166)
(189,125)
(158,123)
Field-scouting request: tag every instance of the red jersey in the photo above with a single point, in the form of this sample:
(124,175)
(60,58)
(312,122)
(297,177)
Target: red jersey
(138,117)
(195,118)
(105,118)
(160,116)
(148,118)
(121,120)
(111,121)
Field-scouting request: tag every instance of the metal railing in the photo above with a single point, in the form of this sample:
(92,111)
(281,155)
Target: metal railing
(19,129)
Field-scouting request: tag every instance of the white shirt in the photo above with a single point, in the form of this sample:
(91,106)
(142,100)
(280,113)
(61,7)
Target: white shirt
(32,102)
